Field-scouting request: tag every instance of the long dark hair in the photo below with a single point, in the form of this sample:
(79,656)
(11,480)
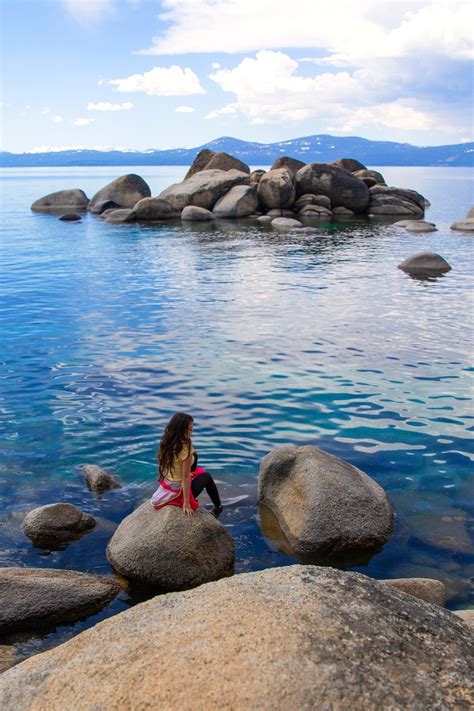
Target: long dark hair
(175,437)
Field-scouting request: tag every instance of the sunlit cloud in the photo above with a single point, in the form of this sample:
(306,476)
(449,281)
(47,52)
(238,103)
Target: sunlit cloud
(87,12)
(82,121)
(184,109)
(107,106)
(58,119)
(161,81)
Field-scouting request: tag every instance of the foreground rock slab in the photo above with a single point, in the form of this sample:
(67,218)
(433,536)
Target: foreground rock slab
(99,480)
(169,550)
(329,510)
(297,637)
(53,525)
(34,597)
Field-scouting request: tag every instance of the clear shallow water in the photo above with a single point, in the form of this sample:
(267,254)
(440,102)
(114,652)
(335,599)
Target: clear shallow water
(266,338)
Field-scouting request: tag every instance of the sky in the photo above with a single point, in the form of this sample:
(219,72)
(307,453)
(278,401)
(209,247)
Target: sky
(150,74)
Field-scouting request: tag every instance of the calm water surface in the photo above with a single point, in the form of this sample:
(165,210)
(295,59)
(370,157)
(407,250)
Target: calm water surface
(267,338)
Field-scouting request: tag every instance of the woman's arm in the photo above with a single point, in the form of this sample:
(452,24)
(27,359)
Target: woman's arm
(187,484)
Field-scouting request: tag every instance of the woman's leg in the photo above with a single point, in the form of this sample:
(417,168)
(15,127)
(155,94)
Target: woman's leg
(205,481)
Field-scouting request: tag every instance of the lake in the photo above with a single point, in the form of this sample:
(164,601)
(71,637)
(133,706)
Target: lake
(266,338)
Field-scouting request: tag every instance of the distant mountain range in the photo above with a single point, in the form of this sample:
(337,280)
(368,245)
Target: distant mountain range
(318,149)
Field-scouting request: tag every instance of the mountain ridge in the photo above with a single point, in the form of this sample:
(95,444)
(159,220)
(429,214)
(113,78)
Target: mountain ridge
(319,148)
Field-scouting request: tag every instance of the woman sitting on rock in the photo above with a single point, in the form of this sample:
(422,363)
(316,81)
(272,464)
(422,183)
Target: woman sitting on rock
(181,480)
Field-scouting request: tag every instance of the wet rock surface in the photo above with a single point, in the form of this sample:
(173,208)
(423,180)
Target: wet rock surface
(125,191)
(72,199)
(35,597)
(297,637)
(54,525)
(99,480)
(425,263)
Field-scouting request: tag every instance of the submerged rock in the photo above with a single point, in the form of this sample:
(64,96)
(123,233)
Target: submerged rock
(73,199)
(53,525)
(343,189)
(203,189)
(240,201)
(33,597)
(425,263)
(445,530)
(169,550)
(276,189)
(154,208)
(298,637)
(99,480)
(420,226)
(329,510)
(125,191)
(70,217)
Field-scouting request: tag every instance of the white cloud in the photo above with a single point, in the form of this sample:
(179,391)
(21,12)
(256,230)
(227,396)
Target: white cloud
(87,12)
(58,119)
(215,65)
(45,110)
(82,121)
(161,81)
(269,90)
(346,30)
(184,109)
(107,106)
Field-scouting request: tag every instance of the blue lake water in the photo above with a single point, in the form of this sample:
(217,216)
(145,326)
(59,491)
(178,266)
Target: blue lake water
(266,338)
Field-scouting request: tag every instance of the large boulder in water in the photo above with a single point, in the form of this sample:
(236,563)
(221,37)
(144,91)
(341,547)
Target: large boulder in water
(425,264)
(329,510)
(99,480)
(343,189)
(224,161)
(297,637)
(153,208)
(276,189)
(203,189)
(350,164)
(31,597)
(54,525)
(169,550)
(71,199)
(291,164)
(125,191)
(240,201)
(197,214)
(385,200)
(200,162)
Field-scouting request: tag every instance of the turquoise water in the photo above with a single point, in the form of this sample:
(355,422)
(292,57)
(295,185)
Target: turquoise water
(266,338)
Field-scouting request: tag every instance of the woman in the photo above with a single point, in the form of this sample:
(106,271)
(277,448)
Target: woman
(181,481)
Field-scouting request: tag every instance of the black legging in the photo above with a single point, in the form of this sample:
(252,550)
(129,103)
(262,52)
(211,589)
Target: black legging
(205,481)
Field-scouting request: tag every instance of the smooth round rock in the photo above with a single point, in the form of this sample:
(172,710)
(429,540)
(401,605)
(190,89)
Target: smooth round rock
(291,164)
(32,597)
(427,263)
(240,201)
(154,209)
(329,510)
(426,589)
(192,213)
(285,223)
(265,219)
(200,162)
(276,189)
(62,199)
(350,164)
(203,189)
(120,216)
(466,225)
(292,638)
(420,226)
(99,480)
(169,550)
(53,525)
(308,199)
(224,161)
(125,191)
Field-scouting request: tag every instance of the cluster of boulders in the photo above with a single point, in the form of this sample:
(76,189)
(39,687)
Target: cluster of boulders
(218,185)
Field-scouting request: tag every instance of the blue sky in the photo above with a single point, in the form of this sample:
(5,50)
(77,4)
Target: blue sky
(146,74)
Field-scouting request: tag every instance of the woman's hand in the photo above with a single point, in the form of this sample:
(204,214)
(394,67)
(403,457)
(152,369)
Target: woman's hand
(187,510)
